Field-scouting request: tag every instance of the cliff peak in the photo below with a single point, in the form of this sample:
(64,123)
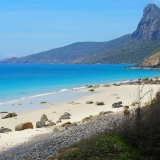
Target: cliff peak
(149,26)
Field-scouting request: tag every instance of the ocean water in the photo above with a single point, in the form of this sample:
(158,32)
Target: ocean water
(18,81)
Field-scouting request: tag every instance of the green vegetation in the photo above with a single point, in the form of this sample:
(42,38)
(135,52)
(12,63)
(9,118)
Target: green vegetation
(137,139)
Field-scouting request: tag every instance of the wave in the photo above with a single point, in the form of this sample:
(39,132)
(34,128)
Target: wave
(38,95)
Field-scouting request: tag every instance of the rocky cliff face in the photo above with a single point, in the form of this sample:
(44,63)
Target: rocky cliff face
(149,26)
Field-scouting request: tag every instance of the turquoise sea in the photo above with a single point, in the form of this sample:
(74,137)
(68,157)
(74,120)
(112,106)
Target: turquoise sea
(19,81)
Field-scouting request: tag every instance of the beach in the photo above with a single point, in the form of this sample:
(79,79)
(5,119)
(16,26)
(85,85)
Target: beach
(125,92)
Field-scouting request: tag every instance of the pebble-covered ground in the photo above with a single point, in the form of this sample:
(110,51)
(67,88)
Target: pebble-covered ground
(42,146)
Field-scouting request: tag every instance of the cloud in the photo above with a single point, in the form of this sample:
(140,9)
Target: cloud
(11,55)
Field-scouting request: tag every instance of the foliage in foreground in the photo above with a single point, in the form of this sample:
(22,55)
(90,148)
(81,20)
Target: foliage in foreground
(101,148)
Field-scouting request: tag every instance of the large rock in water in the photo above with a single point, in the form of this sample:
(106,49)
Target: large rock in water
(10,115)
(23,126)
(149,26)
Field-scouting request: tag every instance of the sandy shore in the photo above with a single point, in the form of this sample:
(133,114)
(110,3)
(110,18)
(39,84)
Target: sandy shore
(78,110)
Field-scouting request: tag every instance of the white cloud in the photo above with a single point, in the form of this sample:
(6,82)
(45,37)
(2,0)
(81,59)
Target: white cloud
(11,55)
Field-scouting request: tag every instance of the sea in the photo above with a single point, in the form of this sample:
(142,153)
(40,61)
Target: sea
(19,82)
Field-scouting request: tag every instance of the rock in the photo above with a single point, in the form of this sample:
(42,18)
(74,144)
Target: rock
(64,117)
(70,103)
(43,102)
(96,86)
(4,130)
(125,107)
(59,121)
(4,112)
(91,90)
(40,124)
(89,102)
(106,85)
(126,112)
(66,114)
(66,124)
(44,118)
(70,126)
(117,105)
(10,115)
(99,103)
(105,112)
(23,126)
(89,86)
(49,123)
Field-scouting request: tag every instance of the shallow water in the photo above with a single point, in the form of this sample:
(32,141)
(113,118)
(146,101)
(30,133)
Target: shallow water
(20,82)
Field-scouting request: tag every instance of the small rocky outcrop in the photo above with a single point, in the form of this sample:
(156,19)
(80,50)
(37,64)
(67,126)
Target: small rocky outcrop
(23,126)
(66,114)
(99,103)
(10,115)
(64,117)
(44,118)
(40,124)
(91,90)
(4,130)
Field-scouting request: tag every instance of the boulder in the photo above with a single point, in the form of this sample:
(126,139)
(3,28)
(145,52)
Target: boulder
(106,85)
(70,126)
(23,126)
(59,121)
(117,105)
(4,130)
(125,107)
(64,117)
(49,123)
(99,103)
(66,114)
(89,86)
(91,90)
(40,124)
(44,118)
(96,86)
(89,102)
(66,124)
(10,115)
(86,119)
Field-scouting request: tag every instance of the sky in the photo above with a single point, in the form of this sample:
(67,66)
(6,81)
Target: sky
(32,26)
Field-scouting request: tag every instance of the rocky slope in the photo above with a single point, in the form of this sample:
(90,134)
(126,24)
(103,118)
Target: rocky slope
(149,26)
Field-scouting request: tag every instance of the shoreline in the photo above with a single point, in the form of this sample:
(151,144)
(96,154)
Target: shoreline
(115,92)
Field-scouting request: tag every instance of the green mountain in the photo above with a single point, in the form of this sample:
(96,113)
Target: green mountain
(131,48)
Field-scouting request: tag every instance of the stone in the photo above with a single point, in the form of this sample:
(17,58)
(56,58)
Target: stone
(66,124)
(66,114)
(91,90)
(64,117)
(4,130)
(59,121)
(105,112)
(86,119)
(89,102)
(106,85)
(40,124)
(96,86)
(89,86)
(44,118)
(99,103)
(10,115)
(117,105)
(49,123)
(23,126)
(125,107)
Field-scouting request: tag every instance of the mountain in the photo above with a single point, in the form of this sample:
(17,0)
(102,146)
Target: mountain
(131,48)
(149,26)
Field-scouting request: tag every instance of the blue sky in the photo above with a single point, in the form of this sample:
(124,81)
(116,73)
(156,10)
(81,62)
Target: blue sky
(32,26)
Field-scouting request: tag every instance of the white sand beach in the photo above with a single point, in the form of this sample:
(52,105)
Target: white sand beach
(78,110)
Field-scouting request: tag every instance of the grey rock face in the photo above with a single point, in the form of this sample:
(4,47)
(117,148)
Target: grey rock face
(40,124)
(149,26)
(44,118)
